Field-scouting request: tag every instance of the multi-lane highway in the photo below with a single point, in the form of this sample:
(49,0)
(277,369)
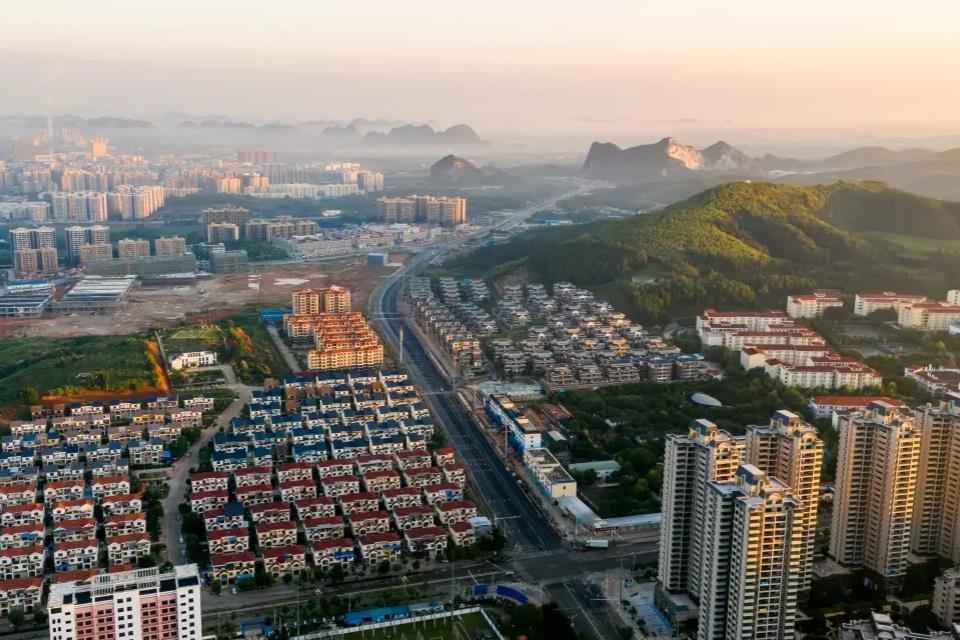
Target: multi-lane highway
(499,490)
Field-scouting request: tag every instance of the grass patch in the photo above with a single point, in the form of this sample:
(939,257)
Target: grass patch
(918,244)
(461,627)
(250,349)
(66,366)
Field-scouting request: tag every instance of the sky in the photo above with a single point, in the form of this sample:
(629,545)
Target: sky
(530,66)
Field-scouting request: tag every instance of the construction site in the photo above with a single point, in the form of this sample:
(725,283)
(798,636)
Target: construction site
(209,298)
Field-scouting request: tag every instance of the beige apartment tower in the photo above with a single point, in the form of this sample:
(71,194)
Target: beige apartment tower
(790,450)
(936,513)
(222,232)
(705,454)
(311,302)
(131,248)
(750,564)
(172,246)
(877,469)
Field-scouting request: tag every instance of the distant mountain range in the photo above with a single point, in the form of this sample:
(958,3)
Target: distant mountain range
(424,135)
(931,173)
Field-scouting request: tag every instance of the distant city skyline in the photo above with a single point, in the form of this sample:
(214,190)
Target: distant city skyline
(537,67)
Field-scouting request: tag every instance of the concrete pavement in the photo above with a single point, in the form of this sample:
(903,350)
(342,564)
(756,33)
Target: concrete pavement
(180,471)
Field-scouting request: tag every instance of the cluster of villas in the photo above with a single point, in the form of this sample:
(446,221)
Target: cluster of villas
(65,492)
(330,470)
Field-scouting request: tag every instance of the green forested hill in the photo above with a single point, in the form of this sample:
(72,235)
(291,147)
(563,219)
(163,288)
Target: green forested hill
(743,243)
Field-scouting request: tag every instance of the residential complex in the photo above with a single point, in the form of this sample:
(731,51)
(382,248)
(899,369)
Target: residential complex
(347,453)
(133,248)
(447,212)
(735,537)
(78,237)
(877,469)
(866,303)
(172,246)
(788,352)
(936,515)
(342,338)
(222,232)
(141,604)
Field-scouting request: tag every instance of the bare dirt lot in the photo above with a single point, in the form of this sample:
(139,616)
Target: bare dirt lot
(208,298)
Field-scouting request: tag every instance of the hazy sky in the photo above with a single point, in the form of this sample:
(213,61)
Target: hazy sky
(520,65)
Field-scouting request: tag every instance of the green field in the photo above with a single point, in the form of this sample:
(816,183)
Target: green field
(917,243)
(460,628)
(94,363)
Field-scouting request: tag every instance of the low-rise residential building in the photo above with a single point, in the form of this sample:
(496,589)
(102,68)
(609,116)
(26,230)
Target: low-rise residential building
(315,507)
(423,477)
(290,559)
(22,535)
(116,525)
(455,511)
(377,547)
(20,593)
(192,360)
(824,373)
(276,534)
(337,486)
(128,548)
(359,501)
(323,528)
(292,490)
(120,504)
(30,513)
(462,534)
(251,476)
(946,598)
(62,490)
(72,530)
(812,305)
(76,555)
(442,492)
(228,541)
(294,471)
(230,516)
(379,481)
(929,316)
(335,552)
(209,481)
(230,567)
(270,512)
(25,562)
(367,522)
(203,501)
(106,486)
(414,517)
(403,497)
(866,303)
(429,540)
(254,494)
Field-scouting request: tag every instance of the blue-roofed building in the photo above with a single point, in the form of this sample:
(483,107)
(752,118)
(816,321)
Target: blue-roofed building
(310,452)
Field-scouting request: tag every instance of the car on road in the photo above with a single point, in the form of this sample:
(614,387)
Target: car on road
(233,590)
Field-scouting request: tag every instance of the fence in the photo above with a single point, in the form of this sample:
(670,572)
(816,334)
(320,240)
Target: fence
(336,633)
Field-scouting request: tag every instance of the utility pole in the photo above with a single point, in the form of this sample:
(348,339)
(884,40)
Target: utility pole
(401,346)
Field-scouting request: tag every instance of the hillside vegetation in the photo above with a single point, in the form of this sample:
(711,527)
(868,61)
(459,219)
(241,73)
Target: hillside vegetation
(743,244)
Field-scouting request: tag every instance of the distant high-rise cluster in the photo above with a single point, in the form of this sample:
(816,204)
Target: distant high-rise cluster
(79,206)
(78,238)
(34,251)
(439,210)
(739,515)
(282,227)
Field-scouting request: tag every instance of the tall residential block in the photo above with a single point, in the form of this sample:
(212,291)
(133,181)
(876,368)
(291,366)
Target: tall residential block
(98,147)
(750,563)
(172,246)
(877,468)
(311,302)
(143,604)
(234,215)
(790,450)
(32,238)
(133,248)
(78,236)
(936,512)
(224,232)
(448,212)
(705,454)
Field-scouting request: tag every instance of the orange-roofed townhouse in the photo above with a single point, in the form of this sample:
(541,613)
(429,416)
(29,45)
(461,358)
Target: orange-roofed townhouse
(276,534)
(290,559)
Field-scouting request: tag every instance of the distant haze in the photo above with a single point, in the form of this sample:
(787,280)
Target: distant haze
(530,68)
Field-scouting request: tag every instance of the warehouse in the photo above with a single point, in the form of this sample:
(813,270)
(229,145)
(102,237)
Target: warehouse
(96,294)
(23,306)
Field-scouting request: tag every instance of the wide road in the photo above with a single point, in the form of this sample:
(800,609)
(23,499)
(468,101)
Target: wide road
(520,518)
